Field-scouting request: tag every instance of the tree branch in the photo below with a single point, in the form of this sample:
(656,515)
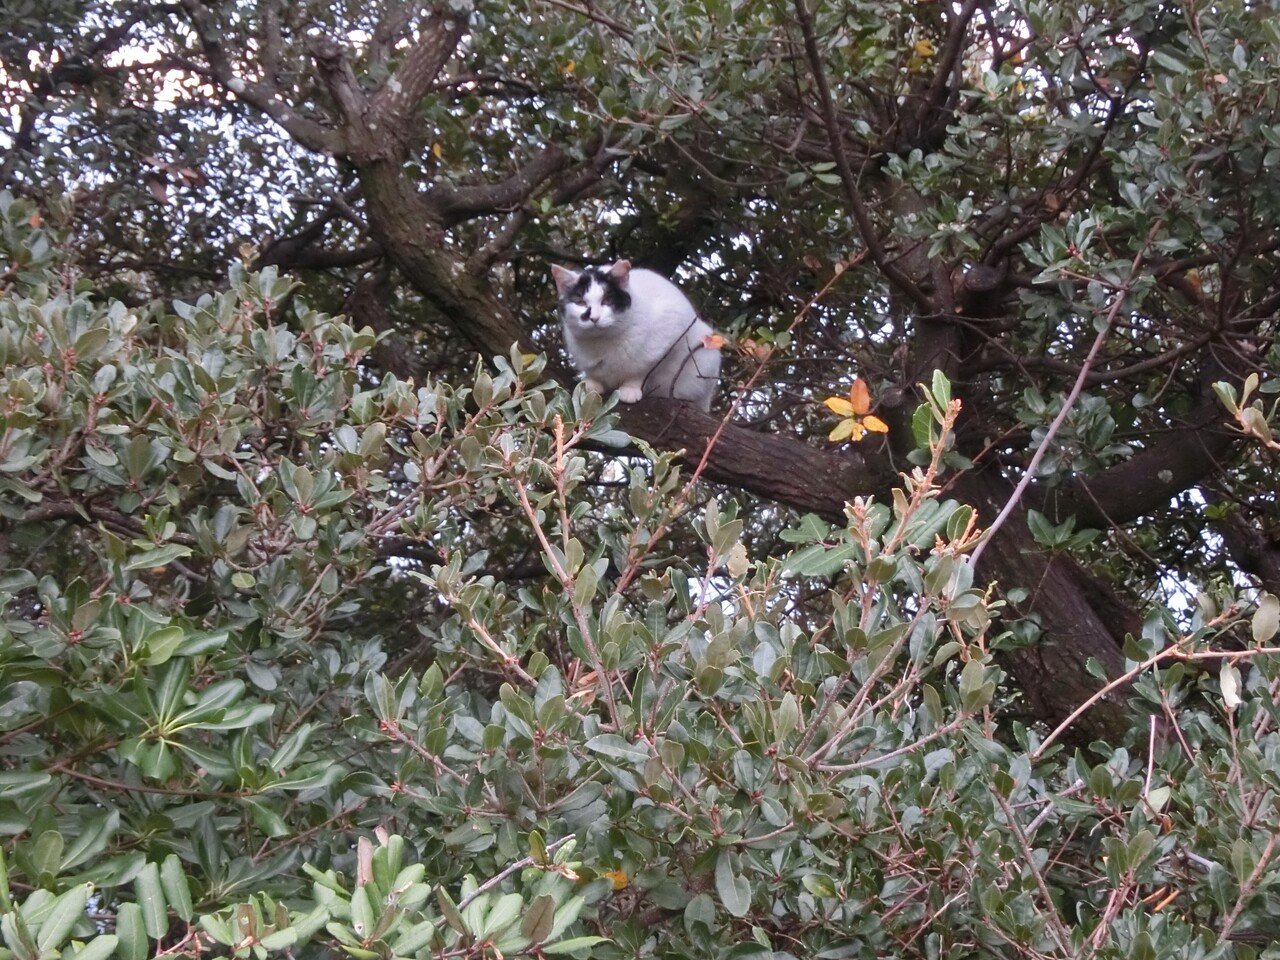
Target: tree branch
(849,184)
(261,96)
(778,468)
(1187,454)
(400,95)
(1250,546)
(457,204)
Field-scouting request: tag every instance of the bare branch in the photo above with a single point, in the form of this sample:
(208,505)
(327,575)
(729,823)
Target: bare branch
(400,95)
(261,96)
(849,184)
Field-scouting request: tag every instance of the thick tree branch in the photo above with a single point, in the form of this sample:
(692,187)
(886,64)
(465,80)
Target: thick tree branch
(407,228)
(1191,451)
(1253,550)
(400,95)
(778,468)
(366,305)
(457,204)
(359,142)
(942,87)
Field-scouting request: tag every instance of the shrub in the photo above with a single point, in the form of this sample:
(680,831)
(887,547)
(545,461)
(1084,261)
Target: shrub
(207,749)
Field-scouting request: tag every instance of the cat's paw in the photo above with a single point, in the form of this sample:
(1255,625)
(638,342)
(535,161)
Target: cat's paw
(630,393)
(595,386)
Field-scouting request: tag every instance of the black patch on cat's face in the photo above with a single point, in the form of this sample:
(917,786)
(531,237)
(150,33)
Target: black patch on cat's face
(595,299)
(614,294)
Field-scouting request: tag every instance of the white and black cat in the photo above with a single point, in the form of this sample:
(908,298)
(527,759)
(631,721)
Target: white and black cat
(634,331)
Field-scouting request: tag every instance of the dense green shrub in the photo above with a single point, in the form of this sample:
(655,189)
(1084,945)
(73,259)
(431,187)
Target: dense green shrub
(206,749)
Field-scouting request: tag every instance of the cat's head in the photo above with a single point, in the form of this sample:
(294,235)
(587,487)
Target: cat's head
(594,298)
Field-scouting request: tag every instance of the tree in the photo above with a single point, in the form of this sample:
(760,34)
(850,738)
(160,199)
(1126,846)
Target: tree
(1045,204)
(822,180)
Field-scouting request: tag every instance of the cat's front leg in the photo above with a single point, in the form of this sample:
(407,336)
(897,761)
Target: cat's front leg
(631,391)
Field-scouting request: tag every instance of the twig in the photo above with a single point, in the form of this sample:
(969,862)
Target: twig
(1067,405)
(518,865)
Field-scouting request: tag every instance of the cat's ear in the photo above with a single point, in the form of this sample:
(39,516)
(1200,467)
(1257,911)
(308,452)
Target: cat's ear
(565,279)
(620,271)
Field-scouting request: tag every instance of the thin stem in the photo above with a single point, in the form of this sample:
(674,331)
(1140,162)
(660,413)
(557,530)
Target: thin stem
(1067,405)
(513,868)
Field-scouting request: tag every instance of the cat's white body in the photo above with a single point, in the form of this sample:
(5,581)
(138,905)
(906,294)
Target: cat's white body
(634,331)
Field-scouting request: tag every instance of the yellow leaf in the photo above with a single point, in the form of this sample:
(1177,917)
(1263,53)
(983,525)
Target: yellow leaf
(875,425)
(437,151)
(619,879)
(843,430)
(839,405)
(924,49)
(858,431)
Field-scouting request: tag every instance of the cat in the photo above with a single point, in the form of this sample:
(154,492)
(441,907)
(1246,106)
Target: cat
(633,331)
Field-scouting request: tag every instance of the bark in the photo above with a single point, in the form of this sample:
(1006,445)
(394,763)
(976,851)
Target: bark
(1189,452)
(1081,616)
(406,226)
(1254,549)
(366,305)
(783,469)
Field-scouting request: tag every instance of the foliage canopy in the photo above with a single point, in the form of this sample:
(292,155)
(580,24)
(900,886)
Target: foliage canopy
(322,636)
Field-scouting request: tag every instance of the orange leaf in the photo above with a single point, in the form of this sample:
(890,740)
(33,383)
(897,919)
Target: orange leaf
(860,397)
(713,341)
(875,424)
(619,878)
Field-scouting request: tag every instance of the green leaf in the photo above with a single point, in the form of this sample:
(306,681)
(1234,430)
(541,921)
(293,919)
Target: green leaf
(131,932)
(414,938)
(158,557)
(161,644)
(574,945)
(974,692)
(62,916)
(733,888)
(362,917)
(16,784)
(176,889)
(501,915)
(537,847)
(91,839)
(155,916)
(612,745)
(46,852)
(18,937)
(6,900)
(280,939)
(99,948)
